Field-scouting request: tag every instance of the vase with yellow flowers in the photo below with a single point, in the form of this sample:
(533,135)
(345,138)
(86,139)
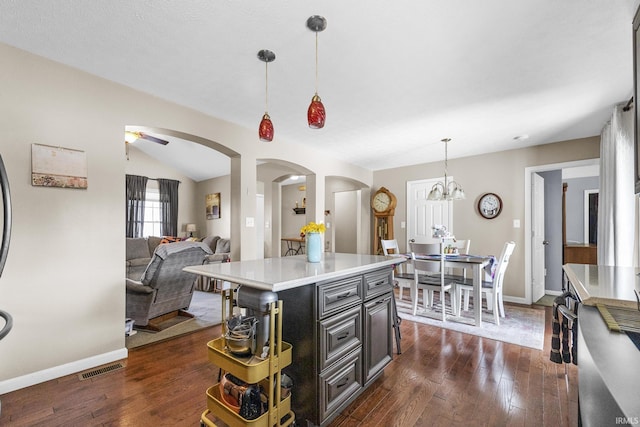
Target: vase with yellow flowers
(313,240)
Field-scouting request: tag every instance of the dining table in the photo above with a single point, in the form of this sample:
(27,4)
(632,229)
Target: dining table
(475,263)
(294,245)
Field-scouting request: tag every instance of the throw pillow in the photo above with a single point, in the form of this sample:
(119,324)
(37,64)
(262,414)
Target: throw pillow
(170,239)
(223,246)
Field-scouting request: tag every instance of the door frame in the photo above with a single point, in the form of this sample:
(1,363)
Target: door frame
(528,213)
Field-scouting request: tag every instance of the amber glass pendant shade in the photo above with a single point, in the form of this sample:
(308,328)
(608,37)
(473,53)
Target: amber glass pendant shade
(316,114)
(265,131)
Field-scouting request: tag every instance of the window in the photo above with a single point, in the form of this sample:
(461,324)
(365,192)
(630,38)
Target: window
(152,215)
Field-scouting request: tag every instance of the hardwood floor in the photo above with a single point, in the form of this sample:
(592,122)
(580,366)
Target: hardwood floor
(442,377)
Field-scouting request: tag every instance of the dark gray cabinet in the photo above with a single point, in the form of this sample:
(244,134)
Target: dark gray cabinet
(378,345)
(341,331)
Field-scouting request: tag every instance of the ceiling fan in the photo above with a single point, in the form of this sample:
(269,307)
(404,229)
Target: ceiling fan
(130,136)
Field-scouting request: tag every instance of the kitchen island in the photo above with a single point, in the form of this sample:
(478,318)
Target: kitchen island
(337,314)
(608,361)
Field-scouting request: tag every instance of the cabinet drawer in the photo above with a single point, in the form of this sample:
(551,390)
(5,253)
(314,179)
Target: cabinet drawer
(377,282)
(334,296)
(340,383)
(339,334)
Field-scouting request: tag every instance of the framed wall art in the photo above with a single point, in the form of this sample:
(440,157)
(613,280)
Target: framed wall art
(212,202)
(58,167)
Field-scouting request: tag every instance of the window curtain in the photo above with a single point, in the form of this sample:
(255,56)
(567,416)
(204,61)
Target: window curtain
(136,189)
(616,205)
(169,206)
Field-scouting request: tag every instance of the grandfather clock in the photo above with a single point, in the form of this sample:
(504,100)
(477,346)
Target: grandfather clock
(383,204)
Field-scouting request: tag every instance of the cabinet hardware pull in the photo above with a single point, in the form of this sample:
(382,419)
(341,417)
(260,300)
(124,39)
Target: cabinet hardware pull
(343,336)
(382,301)
(342,296)
(344,382)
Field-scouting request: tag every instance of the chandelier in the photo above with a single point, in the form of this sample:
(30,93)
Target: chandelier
(446,190)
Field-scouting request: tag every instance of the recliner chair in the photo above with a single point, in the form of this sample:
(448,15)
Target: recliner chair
(164,287)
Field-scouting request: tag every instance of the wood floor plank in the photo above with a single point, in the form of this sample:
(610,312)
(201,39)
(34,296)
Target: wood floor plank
(442,378)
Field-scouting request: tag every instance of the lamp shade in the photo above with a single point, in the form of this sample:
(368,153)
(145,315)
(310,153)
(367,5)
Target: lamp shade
(190,228)
(316,113)
(265,131)
(436,192)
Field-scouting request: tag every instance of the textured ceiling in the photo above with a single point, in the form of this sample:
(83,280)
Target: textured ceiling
(395,77)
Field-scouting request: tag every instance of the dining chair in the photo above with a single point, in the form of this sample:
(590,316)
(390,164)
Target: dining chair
(429,276)
(402,277)
(491,289)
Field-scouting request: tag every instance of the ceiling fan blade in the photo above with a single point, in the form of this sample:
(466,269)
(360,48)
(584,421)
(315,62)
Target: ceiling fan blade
(153,139)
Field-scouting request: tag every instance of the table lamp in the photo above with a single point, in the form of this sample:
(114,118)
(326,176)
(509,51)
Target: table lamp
(190,229)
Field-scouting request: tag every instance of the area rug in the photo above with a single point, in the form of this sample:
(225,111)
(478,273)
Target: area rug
(521,325)
(206,308)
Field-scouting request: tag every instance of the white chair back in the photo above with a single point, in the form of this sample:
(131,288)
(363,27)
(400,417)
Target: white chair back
(424,249)
(503,262)
(388,245)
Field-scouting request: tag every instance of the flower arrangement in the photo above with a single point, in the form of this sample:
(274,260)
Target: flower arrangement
(312,227)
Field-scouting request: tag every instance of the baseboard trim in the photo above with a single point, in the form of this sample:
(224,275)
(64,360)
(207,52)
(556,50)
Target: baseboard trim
(38,377)
(550,292)
(514,300)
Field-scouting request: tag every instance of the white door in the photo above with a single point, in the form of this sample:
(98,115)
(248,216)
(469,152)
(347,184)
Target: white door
(537,237)
(422,214)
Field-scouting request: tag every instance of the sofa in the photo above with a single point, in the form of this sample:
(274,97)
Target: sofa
(139,250)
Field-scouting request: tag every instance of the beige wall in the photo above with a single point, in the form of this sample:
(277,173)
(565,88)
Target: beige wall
(501,173)
(63,280)
(214,227)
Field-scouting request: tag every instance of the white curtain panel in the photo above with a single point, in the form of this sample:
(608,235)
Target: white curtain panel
(617,233)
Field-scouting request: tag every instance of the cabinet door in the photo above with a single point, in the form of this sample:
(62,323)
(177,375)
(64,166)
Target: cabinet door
(378,345)
(339,334)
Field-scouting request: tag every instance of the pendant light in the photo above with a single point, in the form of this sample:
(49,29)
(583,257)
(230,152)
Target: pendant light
(265,130)
(316,113)
(445,191)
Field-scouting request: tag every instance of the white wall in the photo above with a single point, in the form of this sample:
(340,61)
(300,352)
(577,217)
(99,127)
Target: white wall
(63,281)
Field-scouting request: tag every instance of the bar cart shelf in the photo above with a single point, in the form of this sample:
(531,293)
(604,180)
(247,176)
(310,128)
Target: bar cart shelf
(251,370)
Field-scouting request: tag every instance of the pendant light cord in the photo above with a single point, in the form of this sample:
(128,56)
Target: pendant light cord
(266,86)
(316,62)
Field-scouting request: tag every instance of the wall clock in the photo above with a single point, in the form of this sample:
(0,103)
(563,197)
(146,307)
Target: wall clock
(489,205)
(383,204)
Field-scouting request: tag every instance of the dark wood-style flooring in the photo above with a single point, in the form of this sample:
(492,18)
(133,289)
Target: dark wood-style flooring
(442,378)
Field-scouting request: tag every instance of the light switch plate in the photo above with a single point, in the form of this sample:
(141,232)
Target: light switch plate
(249,221)
(516,223)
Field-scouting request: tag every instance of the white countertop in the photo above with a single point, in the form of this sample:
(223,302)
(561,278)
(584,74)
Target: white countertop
(279,274)
(600,284)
